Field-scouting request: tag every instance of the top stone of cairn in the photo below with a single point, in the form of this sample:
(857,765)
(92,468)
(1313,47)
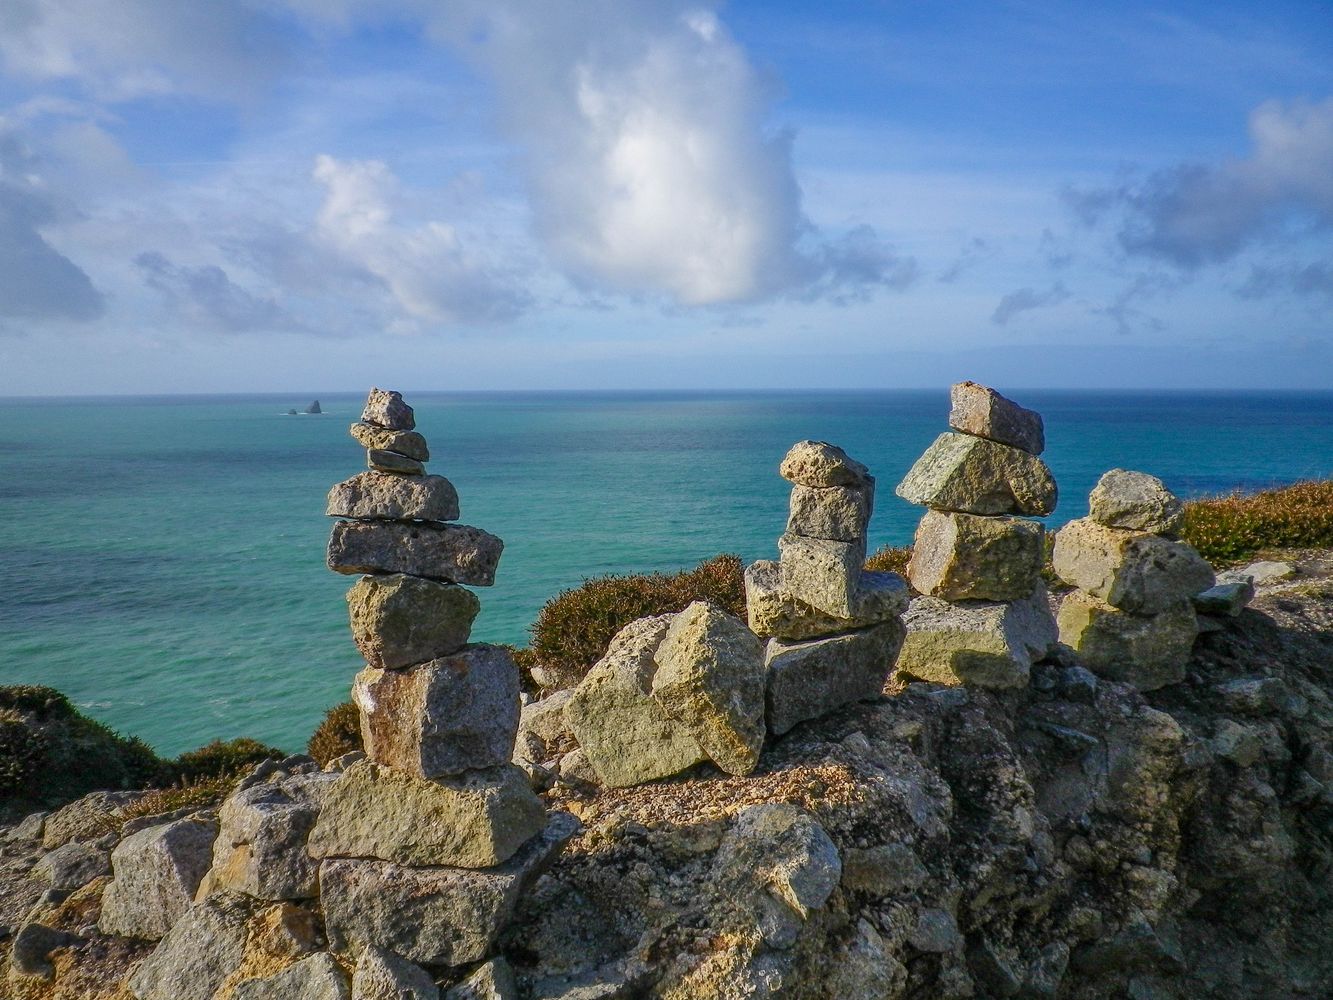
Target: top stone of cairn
(385,408)
(983,412)
(820,464)
(1136,500)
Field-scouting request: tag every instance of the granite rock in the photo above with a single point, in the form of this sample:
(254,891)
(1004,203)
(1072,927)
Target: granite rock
(773,612)
(982,412)
(972,475)
(543,731)
(203,948)
(86,818)
(455,553)
(156,873)
(385,408)
(399,620)
(839,513)
(1131,570)
(72,866)
(318,977)
(1148,651)
(387,497)
(390,462)
(822,573)
(494,980)
(819,464)
(1135,500)
(1227,599)
(408,443)
(967,557)
(382,975)
(812,678)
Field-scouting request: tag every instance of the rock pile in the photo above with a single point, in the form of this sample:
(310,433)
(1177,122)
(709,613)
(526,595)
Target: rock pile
(833,628)
(983,616)
(1132,617)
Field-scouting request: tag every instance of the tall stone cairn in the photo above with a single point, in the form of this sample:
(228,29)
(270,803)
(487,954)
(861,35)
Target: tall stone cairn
(833,628)
(436,825)
(983,616)
(1132,617)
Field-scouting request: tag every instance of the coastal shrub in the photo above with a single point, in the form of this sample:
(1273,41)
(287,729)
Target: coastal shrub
(221,759)
(1232,528)
(338,733)
(197,793)
(890,559)
(574,628)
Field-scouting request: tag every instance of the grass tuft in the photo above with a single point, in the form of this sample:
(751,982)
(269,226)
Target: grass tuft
(339,732)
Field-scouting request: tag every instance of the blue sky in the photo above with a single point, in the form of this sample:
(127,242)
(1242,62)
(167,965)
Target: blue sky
(318,194)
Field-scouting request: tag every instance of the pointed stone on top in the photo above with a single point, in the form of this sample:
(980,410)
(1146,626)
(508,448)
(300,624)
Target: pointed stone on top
(385,408)
(982,412)
(818,463)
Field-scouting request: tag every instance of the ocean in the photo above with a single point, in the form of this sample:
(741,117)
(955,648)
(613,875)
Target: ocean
(164,557)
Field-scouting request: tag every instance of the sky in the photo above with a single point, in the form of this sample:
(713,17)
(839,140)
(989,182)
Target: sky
(306,195)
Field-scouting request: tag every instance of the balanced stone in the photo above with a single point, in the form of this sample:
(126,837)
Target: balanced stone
(399,620)
(973,475)
(627,736)
(446,716)
(822,573)
(156,873)
(1136,500)
(457,553)
(475,820)
(384,496)
(710,678)
(986,643)
(1148,651)
(385,408)
(840,513)
(1131,570)
(390,461)
(809,679)
(773,612)
(1227,599)
(981,411)
(436,915)
(408,443)
(967,557)
(818,463)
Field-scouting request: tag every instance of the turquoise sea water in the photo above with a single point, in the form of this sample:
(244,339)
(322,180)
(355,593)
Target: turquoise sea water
(164,557)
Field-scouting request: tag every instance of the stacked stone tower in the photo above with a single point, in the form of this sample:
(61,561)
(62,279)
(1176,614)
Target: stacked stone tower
(983,616)
(1132,616)
(833,628)
(436,820)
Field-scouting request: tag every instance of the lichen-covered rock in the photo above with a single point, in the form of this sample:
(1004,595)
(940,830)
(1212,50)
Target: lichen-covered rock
(1148,651)
(400,620)
(447,716)
(203,948)
(156,874)
(627,736)
(384,496)
(710,678)
(474,820)
(433,915)
(1137,501)
(382,975)
(839,513)
(408,443)
(391,462)
(494,980)
(971,475)
(1130,570)
(772,611)
(986,643)
(966,557)
(385,408)
(318,977)
(822,573)
(73,865)
(812,678)
(820,464)
(454,553)
(981,411)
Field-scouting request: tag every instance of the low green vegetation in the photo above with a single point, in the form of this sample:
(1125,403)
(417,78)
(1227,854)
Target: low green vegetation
(1236,527)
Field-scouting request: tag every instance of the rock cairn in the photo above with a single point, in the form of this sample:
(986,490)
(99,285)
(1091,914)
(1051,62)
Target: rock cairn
(1132,617)
(983,617)
(833,628)
(426,843)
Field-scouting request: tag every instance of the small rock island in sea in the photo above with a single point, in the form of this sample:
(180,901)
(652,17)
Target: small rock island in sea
(1101,777)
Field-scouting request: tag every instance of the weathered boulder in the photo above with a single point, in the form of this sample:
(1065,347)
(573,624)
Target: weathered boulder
(967,557)
(447,716)
(1137,501)
(822,573)
(474,820)
(399,620)
(812,678)
(1131,570)
(408,443)
(818,463)
(982,412)
(203,948)
(494,980)
(456,553)
(773,612)
(156,873)
(434,915)
(627,736)
(72,866)
(986,643)
(1227,599)
(972,475)
(385,496)
(840,513)
(710,678)
(382,975)
(30,953)
(29,828)
(385,408)
(1148,651)
(391,462)
(318,977)
(86,818)
(543,731)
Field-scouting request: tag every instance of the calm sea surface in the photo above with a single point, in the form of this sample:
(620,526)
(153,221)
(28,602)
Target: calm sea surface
(164,557)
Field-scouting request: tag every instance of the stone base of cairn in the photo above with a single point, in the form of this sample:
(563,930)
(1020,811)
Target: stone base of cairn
(426,843)
(833,629)
(1132,617)
(983,616)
